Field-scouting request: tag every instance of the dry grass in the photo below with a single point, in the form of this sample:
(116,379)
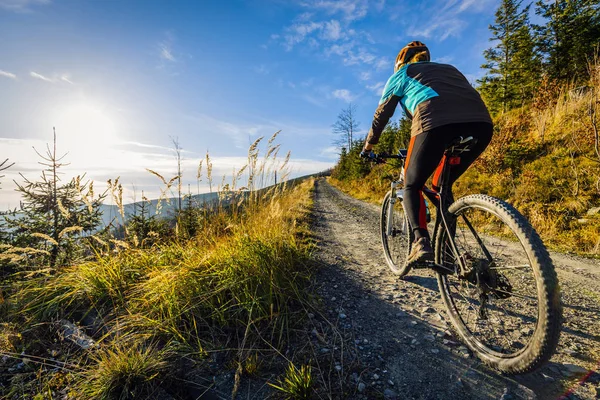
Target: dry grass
(243,274)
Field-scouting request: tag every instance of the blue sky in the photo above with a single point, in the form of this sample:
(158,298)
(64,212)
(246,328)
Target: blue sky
(117,78)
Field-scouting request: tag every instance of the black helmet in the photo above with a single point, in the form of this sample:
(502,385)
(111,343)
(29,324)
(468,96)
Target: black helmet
(407,53)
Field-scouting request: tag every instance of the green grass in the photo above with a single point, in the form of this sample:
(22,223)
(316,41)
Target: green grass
(296,383)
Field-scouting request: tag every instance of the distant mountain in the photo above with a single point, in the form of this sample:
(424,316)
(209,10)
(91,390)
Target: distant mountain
(168,207)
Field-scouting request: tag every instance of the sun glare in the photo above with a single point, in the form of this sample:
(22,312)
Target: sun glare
(85,125)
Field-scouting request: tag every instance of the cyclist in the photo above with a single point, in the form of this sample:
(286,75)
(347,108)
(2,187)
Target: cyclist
(443,106)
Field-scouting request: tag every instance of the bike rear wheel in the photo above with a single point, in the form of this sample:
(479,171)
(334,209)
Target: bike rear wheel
(396,246)
(506,306)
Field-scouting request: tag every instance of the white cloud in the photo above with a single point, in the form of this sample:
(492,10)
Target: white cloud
(440,28)
(40,76)
(165,48)
(21,5)
(343,94)
(7,74)
(349,9)
(66,78)
(444,18)
(331,152)
(298,32)
(365,76)
(332,30)
(166,52)
(376,88)
(474,5)
(383,63)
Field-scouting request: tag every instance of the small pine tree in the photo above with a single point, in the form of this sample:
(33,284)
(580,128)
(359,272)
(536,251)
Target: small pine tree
(53,216)
(145,229)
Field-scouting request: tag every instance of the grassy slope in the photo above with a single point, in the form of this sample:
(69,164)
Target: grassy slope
(544,161)
(156,312)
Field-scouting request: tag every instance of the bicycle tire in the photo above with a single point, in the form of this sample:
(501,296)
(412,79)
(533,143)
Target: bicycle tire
(396,249)
(545,335)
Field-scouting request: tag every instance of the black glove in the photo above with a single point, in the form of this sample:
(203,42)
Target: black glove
(367,154)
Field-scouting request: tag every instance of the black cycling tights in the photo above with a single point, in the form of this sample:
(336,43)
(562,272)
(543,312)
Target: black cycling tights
(425,153)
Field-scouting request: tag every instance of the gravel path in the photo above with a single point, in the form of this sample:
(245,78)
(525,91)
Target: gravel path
(383,337)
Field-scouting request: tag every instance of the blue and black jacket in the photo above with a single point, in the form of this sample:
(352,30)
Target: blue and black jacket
(430,94)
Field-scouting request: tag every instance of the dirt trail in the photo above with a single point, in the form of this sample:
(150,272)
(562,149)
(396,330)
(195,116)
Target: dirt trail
(390,338)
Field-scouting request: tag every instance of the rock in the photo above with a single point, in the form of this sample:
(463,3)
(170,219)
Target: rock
(427,310)
(414,342)
(69,331)
(571,352)
(391,383)
(342,316)
(375,377)
(429,338)
(435,351)
(448,342)
(338,368)
(361,387)
(355,377)
(548,378)
(401,314)
(389,394)
(413,323)
(506,395)
(324,350)
(573,370)
(333,299)
(311,315)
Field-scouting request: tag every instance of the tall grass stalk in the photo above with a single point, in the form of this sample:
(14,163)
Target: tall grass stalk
(243,274)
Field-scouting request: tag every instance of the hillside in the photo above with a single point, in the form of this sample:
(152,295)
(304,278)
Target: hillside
(544,159)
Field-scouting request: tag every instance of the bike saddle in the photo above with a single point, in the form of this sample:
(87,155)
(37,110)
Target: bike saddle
(460,145)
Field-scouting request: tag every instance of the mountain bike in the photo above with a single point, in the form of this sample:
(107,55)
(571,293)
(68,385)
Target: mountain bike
(494,274)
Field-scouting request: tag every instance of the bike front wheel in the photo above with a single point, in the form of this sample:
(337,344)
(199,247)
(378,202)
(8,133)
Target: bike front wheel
(397,237)
(504,303)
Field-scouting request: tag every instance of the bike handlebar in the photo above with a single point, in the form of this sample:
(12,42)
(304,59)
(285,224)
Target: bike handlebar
(402,154)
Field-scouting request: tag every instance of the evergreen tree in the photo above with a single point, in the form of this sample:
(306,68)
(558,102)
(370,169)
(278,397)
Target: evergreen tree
(4,235)
(513,66)
(143,228)
(394,137)
(570,37)
(52,214)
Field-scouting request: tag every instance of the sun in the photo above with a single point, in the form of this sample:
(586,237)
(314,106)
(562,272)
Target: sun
(85,125)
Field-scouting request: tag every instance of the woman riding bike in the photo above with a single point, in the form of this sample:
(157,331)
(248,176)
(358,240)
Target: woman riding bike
(443,106)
